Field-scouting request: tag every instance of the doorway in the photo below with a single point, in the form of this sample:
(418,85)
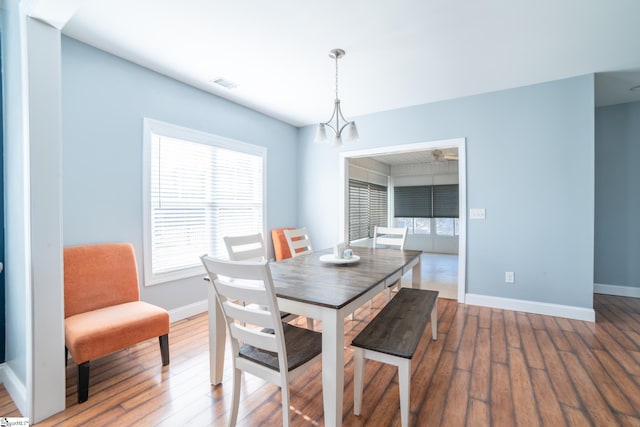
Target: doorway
(459,144)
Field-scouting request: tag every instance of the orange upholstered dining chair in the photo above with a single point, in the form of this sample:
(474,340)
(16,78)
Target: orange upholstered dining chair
(280,245)
(102,308)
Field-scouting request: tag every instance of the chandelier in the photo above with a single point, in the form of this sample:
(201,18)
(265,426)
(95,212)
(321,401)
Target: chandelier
(337,123)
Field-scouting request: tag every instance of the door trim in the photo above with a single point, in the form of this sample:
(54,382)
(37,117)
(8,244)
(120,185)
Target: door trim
(460,144)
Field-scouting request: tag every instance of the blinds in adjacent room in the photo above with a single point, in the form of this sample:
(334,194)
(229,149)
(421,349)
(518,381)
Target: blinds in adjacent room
(426,201)
(412,202)
(367,208)
(445,201)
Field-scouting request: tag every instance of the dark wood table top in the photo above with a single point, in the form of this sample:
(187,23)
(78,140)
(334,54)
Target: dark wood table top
(307,279)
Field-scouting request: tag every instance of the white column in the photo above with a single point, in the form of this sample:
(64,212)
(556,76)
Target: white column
(45,368)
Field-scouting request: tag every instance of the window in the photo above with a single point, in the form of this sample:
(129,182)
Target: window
(414,225)
(367,208)
(405,223)
(198,188)
(427,208)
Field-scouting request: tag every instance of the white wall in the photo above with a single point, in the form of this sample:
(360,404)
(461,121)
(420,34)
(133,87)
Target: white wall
(46,383)
(34,375)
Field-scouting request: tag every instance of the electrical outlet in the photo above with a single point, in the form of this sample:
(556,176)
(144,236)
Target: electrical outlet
(509,277)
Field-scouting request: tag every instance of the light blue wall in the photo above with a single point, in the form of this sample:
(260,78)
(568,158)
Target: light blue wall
(617,230)
(17,260)
(105,100)
(530,164)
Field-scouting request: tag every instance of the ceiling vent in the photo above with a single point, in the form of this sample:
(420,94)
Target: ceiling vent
(227,84)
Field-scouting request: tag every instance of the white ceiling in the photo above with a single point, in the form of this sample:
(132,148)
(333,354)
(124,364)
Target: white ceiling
(399,53)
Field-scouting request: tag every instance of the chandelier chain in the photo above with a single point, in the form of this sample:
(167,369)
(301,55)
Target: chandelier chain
(337,77)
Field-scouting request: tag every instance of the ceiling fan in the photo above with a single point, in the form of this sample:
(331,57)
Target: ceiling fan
(439,155)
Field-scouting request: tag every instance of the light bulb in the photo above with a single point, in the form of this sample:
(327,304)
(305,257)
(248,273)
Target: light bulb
(352,132)
(321,133)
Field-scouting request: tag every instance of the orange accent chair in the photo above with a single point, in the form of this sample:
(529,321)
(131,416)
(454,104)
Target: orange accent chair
(102,308)
(280,245)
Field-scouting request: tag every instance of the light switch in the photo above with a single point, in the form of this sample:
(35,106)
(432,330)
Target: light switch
(476,213)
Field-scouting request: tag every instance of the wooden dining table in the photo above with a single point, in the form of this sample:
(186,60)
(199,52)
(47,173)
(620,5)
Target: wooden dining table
(328,292)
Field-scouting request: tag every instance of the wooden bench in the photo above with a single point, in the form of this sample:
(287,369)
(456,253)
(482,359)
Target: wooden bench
(392,337)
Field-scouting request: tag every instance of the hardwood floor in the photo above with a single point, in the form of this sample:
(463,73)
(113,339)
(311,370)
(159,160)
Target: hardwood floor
(489,367)
(439,273)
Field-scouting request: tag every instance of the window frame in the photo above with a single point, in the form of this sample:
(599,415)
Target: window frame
(153,127)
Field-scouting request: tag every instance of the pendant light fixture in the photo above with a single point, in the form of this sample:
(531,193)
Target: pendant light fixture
(337,123)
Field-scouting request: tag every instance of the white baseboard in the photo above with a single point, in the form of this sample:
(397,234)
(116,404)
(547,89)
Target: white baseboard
(188,310)
(621,291)
(558,310)
(14,387)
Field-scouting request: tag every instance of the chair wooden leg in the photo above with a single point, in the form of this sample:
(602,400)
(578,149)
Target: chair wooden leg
(358,379)
(66,356)
(235,401)
(284,389)
(83,382)
(434,320)
(164,348)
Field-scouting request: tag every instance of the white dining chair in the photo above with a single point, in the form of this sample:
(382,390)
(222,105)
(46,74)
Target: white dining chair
(299,244)
(251,247)
(394,237)
(261,344)
(298,241)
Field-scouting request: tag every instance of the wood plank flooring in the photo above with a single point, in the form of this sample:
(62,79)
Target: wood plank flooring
(439,273)
(489,367)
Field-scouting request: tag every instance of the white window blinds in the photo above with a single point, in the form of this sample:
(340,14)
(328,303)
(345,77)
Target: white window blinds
(367,208)
(198,193)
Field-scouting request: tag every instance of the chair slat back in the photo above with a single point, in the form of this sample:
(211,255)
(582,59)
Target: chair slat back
(241,290)
(248,314)
(298,241)
(244,248)
(390,236)
(246,294)
(253,337)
